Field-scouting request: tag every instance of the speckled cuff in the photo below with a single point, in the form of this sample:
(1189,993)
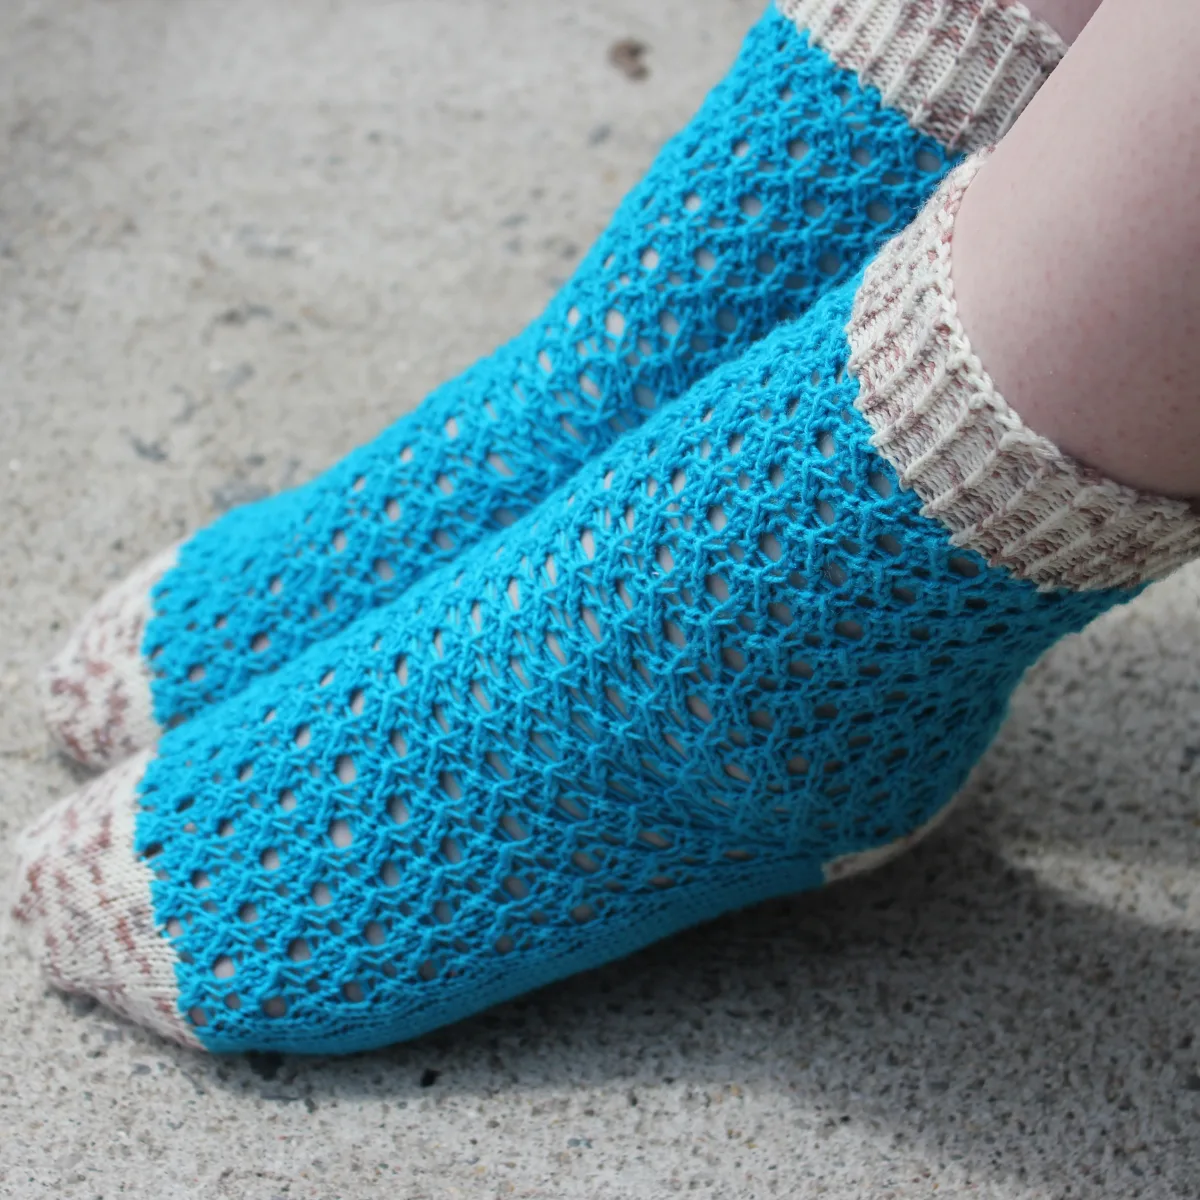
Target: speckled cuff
(1001,489)
(960,70)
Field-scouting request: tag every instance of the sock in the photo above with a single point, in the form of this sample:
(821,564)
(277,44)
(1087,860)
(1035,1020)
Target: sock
(754,647)
(831,129)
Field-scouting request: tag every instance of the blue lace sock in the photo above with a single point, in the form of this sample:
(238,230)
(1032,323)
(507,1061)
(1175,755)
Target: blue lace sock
(734,657)
(790,176)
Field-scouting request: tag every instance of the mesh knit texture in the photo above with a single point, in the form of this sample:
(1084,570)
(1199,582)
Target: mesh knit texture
(786,181)
(728,658)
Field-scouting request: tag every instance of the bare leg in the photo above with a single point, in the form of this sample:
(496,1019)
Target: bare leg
(1065,17)
(1075,249)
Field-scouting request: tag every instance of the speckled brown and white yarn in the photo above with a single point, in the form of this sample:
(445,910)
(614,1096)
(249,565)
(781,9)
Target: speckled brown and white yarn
(999,487)
(96,699)
(960,70)
(84,901)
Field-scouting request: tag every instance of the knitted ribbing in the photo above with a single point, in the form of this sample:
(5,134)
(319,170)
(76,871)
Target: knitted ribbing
(960,70)
(1001,488)
(785,182)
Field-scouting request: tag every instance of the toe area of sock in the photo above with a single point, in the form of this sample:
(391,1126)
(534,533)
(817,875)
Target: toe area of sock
(83,900)
(95,693)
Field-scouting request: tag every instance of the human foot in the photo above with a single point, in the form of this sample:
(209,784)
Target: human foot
(732,658)
(789,177)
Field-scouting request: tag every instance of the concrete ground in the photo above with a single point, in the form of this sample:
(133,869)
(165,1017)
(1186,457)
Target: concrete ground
(237,239)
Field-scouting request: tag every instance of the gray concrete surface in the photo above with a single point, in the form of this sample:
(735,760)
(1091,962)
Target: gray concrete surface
(235,239)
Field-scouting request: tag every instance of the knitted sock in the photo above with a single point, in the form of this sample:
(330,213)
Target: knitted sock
(833,126)
(754,647)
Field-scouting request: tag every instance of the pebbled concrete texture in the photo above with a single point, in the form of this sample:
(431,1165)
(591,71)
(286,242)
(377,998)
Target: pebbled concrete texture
(235,240)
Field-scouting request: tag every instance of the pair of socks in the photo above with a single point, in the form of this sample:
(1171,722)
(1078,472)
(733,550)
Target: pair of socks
(635,659)
(832,128)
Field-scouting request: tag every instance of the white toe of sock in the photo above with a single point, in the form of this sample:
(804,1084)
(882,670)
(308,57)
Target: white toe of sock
(96,692)
(83,898)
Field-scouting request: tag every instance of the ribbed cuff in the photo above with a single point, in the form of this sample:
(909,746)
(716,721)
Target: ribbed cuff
(1000,488)
(960,70)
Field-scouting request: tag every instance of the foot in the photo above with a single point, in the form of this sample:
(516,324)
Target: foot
(787,180)
(743,653)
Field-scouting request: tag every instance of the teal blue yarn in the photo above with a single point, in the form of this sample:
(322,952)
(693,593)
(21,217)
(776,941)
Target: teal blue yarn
(786,181)
(750,655)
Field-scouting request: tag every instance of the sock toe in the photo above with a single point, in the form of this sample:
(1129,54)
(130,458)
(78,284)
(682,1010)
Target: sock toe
(96,699)
(83,900)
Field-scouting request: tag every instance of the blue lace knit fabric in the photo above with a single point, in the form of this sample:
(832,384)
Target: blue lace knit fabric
(784,184)
(727,654)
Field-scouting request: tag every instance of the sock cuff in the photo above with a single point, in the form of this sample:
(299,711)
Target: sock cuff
(960,70)
(1001,489)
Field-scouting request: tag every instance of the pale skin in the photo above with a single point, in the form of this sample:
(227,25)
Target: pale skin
(1075,248)
(1066,17)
